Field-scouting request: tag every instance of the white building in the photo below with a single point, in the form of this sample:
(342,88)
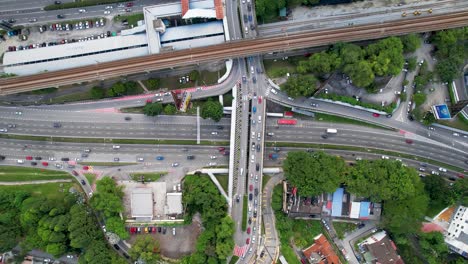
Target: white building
(456,236)
(142,204)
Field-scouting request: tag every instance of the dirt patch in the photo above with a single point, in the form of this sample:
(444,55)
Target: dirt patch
(180,245)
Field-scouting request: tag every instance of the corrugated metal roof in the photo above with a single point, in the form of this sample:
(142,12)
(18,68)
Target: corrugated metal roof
(203,13)
(194,43)
(75,62)
(192,31)
(337,204)
(73,49)
(355,207)
(364,210)
(185,6)
(173,9)
(174,203)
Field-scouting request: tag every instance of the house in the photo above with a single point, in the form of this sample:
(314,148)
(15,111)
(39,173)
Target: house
(457,235)
(321,252)
(379,249)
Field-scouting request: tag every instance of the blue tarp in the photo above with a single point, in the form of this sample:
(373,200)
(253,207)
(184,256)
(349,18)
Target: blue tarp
(364,210)
(337,204)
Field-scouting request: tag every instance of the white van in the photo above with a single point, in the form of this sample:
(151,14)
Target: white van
(252,68)
(20,161)
(274,91)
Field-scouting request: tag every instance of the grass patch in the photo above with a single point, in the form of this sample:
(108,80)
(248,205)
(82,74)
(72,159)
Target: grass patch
(223,179)
(131,19)
(45,90)
(344,120)
(91,177)
(265,179)
(206,78)
(48,190)
(83,96)
(133,110)
(367,150)
(341,228)
(107,163)
(278,68)
(244,213)
(458,122)
(148,176)
(234,260)
(12,174)
(81,3)
(352,101)
(117,140)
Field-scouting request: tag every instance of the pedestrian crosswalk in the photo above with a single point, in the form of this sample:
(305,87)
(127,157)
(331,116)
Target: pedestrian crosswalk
(240,251)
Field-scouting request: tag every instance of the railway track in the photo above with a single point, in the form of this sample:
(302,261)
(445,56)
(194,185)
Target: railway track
(234,49)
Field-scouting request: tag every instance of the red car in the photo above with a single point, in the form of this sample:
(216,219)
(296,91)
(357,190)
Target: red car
(248,230)
(409,141)
(45,163)
(86,168)
(375,115)
(29,158)
(75,173)
(251,187)
(221,148)
(149,101)
(259,99)
(247,241)
(129,4)
(460,175)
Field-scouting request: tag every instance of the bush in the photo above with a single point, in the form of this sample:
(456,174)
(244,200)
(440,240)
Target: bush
(97,92)
(412,63)
(194,75)
(153,109)
(170,109)
(419,98)
(350,100)
(212,109)
(152,84)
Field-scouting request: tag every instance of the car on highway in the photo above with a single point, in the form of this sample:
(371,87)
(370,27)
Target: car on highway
(82,10)
(254,109)
(116,159)
(226,153)
(274,91)
(127,118)
(258,147)
(129,4)
(20,161)
(45,163)
(159,158)
(29,157)
(220,127)
(276,149)
(314,105)
(248,230)
(11,125)
(38,158)
(175,164)
(60,16)
(456,134)
(256,189)
(212,164)
(214,133)
(221,148)
(247,241)
(385,157)
(57,125)
(106,12)
(213,157)
(33,163)
(140,159)
(270,134)
(237,199)
(435,173)
(190,157)
(250,187)
(375,115)
(442,169)
(83,182)
(409,141)
(257,167)
(260,99)
(115,147)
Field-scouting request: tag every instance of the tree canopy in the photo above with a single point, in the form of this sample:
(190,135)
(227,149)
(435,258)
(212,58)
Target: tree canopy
(450,51)
(314,173)
(145,248)
(300,85)
(153,109)
(212,109)
(411,42)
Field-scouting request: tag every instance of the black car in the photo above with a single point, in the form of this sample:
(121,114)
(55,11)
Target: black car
(262,254)
(57,2)
(254,79)
(245,18)
(250,197)
(258,147)
(33,163)
(257,167)
(324,136)
(127,118)
(65,159)
(361,225)
(126,256)
(150,229)
(411,118)
(255,213)
(250,220)
(38,158)
(256,192)
(83,182)
(60,16)
(57,125)
(190,157)
(2,157)
(159,229)
(220,127)
(84,155)
(164,230)
(116,246)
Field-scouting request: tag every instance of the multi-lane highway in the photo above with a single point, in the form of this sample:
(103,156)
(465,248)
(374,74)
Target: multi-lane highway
(231,49)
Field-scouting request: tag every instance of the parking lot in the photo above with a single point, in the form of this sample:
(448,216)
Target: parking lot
(61,32)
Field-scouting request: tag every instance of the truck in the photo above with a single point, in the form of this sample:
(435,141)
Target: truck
(273,156)
(332,131)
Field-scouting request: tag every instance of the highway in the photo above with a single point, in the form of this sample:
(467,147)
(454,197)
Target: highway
(233,49)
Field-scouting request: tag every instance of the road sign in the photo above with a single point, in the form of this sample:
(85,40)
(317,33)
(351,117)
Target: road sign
(441,111)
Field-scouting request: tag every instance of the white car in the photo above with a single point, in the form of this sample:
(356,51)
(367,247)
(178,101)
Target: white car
(104,228)
(3,130)
(213,157)
(107,12)
(175,164)
(82,10)
(116,147)
(274,91)
(456,134)
(18,113)
(214,133)
(173,231)
(442,169)
(434,173)
(20,161)
(385,157)
(141,159)
(109,7)
(212,164)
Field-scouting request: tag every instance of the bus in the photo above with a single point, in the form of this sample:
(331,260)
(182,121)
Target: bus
(287,121)
(332,131)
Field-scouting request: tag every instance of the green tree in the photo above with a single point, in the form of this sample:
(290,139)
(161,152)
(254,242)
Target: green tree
(108,198)
(412,62)
(419,98)
(361,73)
(194,75)
(131,87)
(153,109)
(82,228)
(323,62)
(300,85)
(117,226)
(386,56)
(97,92)
(438,191)
(313,174)
(434,248)
(411,42)
(224,239)
(152,83)
(146,248)
(428,118)
(447,70)
(97,253)
(348,53)
(117,89)
(170,109)
(212,109)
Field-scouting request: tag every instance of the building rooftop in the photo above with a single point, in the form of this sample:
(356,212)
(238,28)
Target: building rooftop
(193,31)
(456,235)
(321,251)
(142,203)
(337,204)
(174,203)
(381,249)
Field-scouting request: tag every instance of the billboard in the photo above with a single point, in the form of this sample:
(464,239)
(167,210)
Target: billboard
(186,96)
(441,111)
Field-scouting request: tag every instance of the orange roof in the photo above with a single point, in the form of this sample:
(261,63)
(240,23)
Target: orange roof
(324,249)
(185,6)
(219,9)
